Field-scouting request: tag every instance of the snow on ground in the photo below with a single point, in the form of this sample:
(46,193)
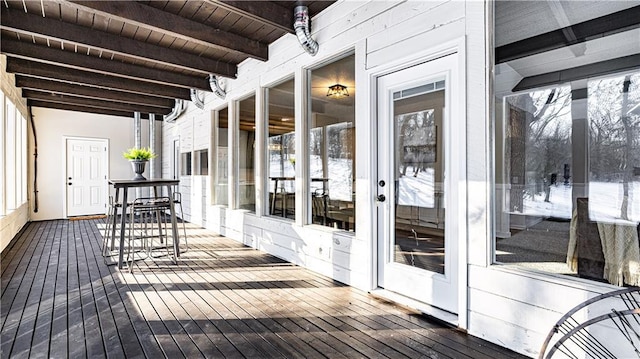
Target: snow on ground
(605,200)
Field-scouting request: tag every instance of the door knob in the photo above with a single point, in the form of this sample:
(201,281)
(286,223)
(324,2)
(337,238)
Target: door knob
(381,198)
(69,183)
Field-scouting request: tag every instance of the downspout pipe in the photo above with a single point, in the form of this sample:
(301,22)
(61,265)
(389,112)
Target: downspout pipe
(178,109)
(302,29)
(137,130)
(152,144)
(197,98)
(137,140)
(215,86)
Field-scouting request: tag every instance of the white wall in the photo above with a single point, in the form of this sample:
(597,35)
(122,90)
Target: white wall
(378,33)
(52,127)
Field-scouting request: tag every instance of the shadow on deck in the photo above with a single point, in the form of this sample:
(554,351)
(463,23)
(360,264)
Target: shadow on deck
(222,300)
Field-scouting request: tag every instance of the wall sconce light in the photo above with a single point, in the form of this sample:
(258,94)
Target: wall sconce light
(337,91)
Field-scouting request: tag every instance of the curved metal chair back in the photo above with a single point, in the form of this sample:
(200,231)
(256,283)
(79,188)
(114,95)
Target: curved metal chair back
(605,326)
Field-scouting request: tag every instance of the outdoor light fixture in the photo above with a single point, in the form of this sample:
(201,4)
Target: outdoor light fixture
(337,91)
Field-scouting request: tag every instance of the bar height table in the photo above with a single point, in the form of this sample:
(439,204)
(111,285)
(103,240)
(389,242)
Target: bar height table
(155,183)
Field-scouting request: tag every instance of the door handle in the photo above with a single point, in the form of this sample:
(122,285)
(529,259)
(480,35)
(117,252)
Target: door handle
(381,198)
(69,183)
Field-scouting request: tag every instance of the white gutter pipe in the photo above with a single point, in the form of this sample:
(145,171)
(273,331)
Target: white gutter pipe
(215,86)
(178,109)
(302,29)
(152,144)
(197,98)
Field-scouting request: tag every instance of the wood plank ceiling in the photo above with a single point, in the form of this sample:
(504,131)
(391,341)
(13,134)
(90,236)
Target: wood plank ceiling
(119,57)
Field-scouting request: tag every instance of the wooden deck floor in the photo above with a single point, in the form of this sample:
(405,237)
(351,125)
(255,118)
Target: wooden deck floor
(222,300)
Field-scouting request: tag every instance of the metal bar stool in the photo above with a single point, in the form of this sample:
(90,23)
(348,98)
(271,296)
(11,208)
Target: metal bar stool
(177,200)
(111,211)
(145,213)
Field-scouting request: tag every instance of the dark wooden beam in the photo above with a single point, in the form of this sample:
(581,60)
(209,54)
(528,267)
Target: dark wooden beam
(33,83)
(191,31)
(588,30)
(30,51)
(266,12)
(21,22)
(46,71)
(88,102)
(100,111)
(597,69)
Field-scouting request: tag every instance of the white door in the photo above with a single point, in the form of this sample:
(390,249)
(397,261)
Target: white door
(418,184)
(86,180)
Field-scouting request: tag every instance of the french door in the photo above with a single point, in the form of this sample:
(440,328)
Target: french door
(418,181)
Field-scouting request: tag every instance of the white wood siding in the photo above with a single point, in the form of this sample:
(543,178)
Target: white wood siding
(514,308)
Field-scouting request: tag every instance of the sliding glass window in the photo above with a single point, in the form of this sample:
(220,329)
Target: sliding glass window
(281,152)
(332,144)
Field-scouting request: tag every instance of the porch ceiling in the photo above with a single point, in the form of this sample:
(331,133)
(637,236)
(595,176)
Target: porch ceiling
(116,57)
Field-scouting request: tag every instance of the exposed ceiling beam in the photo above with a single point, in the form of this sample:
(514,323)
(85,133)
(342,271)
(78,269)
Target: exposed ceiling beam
(100,111)
(174,25)
(42,70)
(88,102)
(627,63)
(25,50)
(32,83)
(606,25)
(22,22)
(266,12)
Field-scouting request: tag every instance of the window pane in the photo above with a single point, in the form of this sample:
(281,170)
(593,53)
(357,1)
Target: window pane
(3,177)
(202,162)
(568,187)
(332,146)
(11,156)
(23,161)
(221,177)
(246,154)
(185,167)
(282,151)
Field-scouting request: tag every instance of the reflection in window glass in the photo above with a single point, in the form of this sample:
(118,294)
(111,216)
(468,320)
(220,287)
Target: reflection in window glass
(281,151)
(332,146)
(202,162)
(221,176)
(568,188)
(185,164)
(246,154)
(11,156)
(614,145)
(3,177)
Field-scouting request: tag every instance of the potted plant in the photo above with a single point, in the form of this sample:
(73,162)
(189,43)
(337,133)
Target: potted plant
(139,158)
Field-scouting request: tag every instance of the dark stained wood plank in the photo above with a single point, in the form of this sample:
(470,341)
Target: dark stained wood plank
(86,265)
(179,26)
(27,300)
(59,322)
(15,247)
(222,299)
(42,331)
(101,275)
(20,21)
(75,322)
(270,13)
(31,83)
(80,77)
(60,98)
(344,332)
(239,310)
